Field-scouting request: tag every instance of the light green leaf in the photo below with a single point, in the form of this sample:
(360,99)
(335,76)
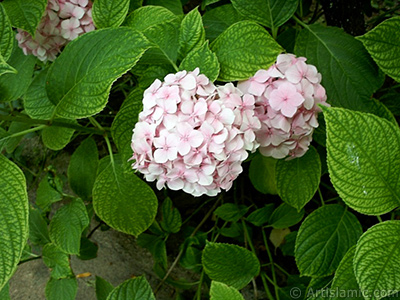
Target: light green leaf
(133,289)
(349,75)
(220,291)
(47,194)
(173,5)
(124,201)
(25,14)
(217,20)
(324,238)
(14,210)
(67,225)
(148,16)
(271,13)
(231,212)
(5,292)
(191,33)
(38,232)
(298,179)
(6,68)
(171,218)
(203,59)
(363,164)
(6,35)
(36,103)
(230,264)
(383,43)
(103,288)
(57,137)
(61,289)
(14,85)
(80,79)
(261,216)
(82,168)
(243,49)
(108,13)
(262,174)
(57,261)
(285,216)
(345,280)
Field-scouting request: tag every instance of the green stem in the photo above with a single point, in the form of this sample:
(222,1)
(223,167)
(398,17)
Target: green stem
(300,22)
(272,264)
(274,31)
(23,132)
(320,196)
(266,288)
(379,218)
(109,147)
(247,238)
(198,292)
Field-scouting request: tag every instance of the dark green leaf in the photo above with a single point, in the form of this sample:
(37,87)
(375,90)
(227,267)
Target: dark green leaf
(57,137)
(88,249)
(6,68)
(171,218)
(5,292)
(173,5)
(38,232)
(46,194)
(12,143)
(6,35)
(57,261)
(231,212)
(109,13)
(285,216)
(261,216)
(61,289)
(103,288)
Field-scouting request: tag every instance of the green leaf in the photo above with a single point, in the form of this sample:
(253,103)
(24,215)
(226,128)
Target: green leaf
(14,224)
(217,20)
(231,212)
(298,179)
(148,16)
(80,79)
(38,232)
(262,174)
(287,248)
(5,292)
(261,216)
(157,247)
(57,137)
(230,264)
(243,49)
(271,13)
(285,216)
(349,75)
(25,14)
(46,194)
(103,288)
(88,249)
(133,289)
(147,77)
(383,43)
(345,279)
(6,68)
(61,289)
(191,33)
(82,168)
(13,142)
(173,5)
(220,291)
(57,261)
(67,225)
(6,35)
(13,86)
(109,13)
(363,164)
(124,201)
(324,238)
(171,218)
(36,103)
(376,263)
(203,59)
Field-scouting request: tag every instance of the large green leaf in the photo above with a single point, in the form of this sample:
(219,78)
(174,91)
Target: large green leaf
(148,16)
(108,13)
(6,35)
(204,59)
(123,200)
(363,159)
(297,180)
(14,212)
(61,289)
(345,280)
(5,67)
(324,238)
(57,261)
(13,86)
(80,79)
(191,32)
(383,43)
(25,14)
(271,13)
(220,291)
(262,174)
(67,225)
(243,49)
(56,137)
(133,289)
(82,168)
(349,75)
(230,264)
(376,261)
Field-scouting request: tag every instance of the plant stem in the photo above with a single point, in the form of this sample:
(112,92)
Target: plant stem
(23,132)
(265,284)
(198,292)
(272,263)
(320,196)
(29,259)
(380,219)
(300,22)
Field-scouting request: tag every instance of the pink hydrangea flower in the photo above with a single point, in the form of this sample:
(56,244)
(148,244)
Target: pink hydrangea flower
(286,103)
(62,21)
(192,135)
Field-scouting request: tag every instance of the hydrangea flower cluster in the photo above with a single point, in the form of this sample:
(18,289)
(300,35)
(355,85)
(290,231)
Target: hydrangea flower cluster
(62,21)
(192,135)
(286,103)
